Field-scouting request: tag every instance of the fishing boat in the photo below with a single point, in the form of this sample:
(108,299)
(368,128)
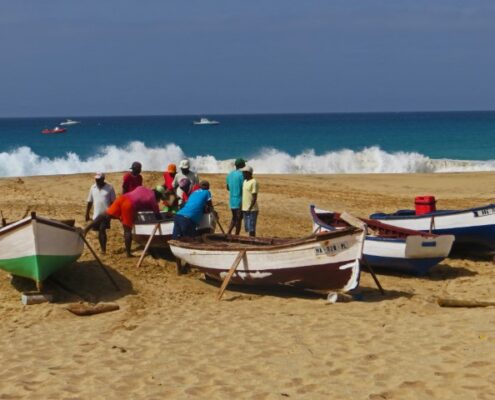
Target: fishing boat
(323,262)
(146,221)
(35,247)
(205,121)
(391,248)
(68,122)
(57,129)
(474,228)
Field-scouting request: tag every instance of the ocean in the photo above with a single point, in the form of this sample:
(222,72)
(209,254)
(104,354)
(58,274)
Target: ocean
(292,143)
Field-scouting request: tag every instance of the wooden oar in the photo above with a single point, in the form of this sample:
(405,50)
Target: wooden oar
(100,263)
(218,222)
(232,269)
(143,254)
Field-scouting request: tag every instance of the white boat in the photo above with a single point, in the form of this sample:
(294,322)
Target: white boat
(36,247)
(473,227)
(146,222)
(205,121)
(389,247)
(320,262)
(70,122)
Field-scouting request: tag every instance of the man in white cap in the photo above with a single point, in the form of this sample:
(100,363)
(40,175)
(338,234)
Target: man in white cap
(101,196)
(184,172)
(249,200)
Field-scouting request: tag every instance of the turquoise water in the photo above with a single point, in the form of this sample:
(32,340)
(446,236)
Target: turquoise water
(384,142)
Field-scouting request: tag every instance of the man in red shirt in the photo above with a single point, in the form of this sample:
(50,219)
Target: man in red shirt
(132,179)
(127,206)
(168,176)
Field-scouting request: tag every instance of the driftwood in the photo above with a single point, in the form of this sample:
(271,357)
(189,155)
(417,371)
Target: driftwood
(442,302)
(91,309)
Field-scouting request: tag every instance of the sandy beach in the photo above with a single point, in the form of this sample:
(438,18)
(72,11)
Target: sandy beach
(171,338)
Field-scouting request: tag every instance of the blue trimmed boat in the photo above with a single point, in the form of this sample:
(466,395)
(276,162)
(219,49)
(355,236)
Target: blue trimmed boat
(473,228)
(390,248)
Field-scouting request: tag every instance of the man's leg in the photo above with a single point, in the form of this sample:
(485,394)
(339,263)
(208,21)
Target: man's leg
(102,236)
(178,231)
(238,221)
(254,218)
(232,221)
(128,240)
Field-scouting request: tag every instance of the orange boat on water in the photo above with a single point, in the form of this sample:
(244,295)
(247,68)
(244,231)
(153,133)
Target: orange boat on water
(57,129)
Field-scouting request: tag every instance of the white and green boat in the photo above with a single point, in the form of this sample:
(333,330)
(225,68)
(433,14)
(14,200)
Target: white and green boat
(36,247)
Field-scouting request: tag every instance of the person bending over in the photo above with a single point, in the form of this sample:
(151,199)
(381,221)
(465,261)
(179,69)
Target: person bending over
(125,209)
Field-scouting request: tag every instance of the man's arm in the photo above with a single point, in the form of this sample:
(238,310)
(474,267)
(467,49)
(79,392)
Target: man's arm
(88,209)
(253,201)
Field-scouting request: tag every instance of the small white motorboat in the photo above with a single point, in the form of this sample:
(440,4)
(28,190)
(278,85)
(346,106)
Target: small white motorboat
(205,121)
(70,122)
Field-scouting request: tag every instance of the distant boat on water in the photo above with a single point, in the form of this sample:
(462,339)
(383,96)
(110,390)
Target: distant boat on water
(70,122)
(205,121)
(57,129)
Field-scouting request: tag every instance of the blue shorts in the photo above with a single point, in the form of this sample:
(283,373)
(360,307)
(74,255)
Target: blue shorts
(250,218)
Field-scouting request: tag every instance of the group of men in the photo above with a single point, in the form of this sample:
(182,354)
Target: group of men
(181,194)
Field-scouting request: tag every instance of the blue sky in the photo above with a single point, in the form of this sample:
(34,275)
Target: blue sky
(70,58)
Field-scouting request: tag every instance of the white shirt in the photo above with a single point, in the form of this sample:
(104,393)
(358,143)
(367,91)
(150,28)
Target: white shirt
(101,198)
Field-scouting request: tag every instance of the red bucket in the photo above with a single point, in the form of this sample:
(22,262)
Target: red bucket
(425,204)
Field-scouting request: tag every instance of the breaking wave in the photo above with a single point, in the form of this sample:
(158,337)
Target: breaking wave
(22,161)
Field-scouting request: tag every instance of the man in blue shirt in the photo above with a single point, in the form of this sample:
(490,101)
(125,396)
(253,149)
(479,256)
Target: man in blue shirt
(188,218)
(235,180)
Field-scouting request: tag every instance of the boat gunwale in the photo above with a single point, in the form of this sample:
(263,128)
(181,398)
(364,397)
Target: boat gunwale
(373,224)
(287,243)
(439,213)
(18,224)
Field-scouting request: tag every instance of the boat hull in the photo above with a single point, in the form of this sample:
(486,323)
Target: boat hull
(36,247)
(146,222)
(323,265)
(471,228)
(414,253)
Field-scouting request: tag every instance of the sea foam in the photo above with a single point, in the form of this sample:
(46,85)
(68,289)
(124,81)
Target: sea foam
(22,161)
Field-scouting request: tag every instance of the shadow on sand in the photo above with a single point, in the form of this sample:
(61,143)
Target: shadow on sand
(362,293)
(82,280)
(439,272)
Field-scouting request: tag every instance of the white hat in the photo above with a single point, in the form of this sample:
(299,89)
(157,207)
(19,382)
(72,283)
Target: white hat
(184,164)
(99,175)
(247,168)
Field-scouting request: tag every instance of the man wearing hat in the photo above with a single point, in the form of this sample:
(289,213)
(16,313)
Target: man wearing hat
(101,196)
(127,206)
(132,179)
(249,200)
(189,217)
(235,180)
(184,172)
(168,176)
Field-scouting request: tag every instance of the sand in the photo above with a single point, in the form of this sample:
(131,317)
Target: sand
(172,339)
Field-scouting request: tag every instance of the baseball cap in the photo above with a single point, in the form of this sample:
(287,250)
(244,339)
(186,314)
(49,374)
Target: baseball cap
(172,168)
(160,189)
(184,164)
(99,175)
(247,168)
(184,182)
(239,162)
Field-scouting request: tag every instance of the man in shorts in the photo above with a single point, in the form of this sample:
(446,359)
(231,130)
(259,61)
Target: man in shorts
(101,196)
(189,217)
(234,181)
(249,200)
(127,206)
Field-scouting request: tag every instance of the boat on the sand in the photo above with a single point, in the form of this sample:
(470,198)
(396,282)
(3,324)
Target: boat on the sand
(473,228)
(35,247)
(389,247)
(320,262)
(146,221)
